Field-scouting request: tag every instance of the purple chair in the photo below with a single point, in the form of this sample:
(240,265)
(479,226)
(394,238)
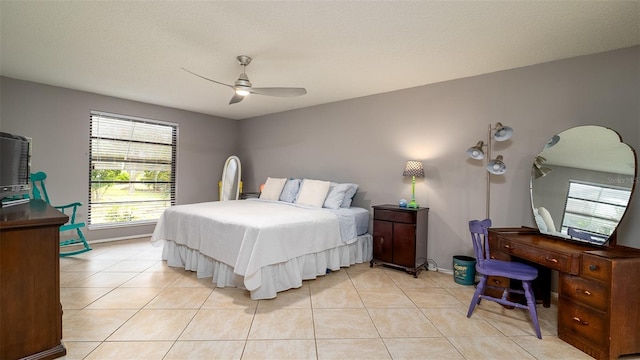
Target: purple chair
(486,266)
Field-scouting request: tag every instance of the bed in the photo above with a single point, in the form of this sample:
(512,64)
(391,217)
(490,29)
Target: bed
(263,246)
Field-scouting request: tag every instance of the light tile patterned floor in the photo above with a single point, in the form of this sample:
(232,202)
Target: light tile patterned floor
(121,301)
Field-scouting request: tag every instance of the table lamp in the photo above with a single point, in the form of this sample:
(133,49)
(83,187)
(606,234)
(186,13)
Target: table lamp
(413,168)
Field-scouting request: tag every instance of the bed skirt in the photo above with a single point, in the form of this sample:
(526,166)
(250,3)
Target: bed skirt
(276,277)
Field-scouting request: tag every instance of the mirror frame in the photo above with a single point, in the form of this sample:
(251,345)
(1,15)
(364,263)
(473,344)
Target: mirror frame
(612,239)
(235,183)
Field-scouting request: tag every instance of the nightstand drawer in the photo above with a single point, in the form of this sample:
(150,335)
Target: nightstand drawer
(395,216)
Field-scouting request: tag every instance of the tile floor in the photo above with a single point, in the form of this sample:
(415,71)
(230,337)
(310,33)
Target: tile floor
(121,301)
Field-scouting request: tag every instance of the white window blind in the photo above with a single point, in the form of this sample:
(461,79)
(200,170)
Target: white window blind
(132,167)
(594,208)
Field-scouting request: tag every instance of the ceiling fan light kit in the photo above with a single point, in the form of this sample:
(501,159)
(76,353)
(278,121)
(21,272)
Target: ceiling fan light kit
(243,87)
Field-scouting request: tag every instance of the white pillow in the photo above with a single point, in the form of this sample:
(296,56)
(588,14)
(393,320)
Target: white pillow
(272,188)
(336,194)
(548,220)
(313,192)
(539,221)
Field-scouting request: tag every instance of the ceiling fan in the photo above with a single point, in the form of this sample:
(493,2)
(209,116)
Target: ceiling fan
(242,86)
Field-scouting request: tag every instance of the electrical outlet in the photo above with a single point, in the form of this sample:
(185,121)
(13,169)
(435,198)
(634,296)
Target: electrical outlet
(432,267)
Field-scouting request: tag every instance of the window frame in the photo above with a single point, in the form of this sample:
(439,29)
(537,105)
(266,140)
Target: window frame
(94,115)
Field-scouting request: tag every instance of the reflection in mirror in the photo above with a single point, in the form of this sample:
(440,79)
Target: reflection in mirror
(581,184)
(230,187)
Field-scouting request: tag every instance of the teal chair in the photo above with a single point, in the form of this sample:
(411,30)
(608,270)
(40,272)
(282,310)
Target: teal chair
(76,245)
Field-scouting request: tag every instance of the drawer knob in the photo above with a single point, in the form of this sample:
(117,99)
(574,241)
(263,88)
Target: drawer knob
(585,292)
(593,267)
(507,246)
(497,282)
(553,260)
(580,321)
(381,240)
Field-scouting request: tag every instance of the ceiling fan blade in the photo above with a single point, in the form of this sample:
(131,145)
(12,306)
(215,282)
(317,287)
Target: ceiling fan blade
(279,91)
(236,99)
(200,76)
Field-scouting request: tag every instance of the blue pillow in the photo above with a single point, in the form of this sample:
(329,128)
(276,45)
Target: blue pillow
(349,195)
(336,195)
(290,190)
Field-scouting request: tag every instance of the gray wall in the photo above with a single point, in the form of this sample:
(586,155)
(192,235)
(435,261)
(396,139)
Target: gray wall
(368,140)
(57,120)
(365,140)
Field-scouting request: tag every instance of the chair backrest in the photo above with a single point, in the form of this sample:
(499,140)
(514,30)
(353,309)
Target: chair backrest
(38,190)
(479,234)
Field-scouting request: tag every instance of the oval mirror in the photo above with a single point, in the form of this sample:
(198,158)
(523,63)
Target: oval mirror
(230,187)
(581,184)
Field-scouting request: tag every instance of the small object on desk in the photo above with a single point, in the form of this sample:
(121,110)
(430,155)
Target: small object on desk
(403,203)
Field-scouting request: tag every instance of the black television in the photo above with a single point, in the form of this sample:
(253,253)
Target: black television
(15,166)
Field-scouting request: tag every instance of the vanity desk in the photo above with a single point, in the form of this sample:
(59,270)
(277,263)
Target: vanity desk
(598,291)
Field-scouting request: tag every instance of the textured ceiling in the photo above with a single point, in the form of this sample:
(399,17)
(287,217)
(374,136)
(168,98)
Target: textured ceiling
(337,50)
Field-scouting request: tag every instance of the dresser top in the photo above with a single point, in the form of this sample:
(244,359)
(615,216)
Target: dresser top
(35,212)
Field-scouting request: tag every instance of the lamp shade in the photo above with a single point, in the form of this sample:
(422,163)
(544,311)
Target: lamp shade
(503,133)
(476,152)
(497,166)
(413,168)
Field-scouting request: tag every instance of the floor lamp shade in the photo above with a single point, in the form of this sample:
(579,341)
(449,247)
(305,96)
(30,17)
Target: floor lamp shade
(497,166)
(414,169)
(476,152)
(503,133)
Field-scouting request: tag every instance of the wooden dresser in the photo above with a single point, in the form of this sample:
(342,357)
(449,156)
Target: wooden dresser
(30,310)
(598,292)
(400,237)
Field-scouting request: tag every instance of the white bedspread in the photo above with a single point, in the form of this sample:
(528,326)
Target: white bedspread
(248,235)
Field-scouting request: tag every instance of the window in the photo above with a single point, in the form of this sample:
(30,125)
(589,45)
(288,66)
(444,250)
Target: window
(132,167)
(594,207)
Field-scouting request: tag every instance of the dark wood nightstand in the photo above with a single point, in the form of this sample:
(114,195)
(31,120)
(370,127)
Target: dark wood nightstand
(400,237)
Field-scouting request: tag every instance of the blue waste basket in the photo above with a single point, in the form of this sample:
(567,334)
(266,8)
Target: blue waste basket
(464,269)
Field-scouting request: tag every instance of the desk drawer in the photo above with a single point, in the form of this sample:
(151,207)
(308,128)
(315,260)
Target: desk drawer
(596,267)
(586,291)
(553,260)
(395,216)
(496,285)
(498,281)
(582,322)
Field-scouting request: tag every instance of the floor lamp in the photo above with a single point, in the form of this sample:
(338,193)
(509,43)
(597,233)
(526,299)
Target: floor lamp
(495,166)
